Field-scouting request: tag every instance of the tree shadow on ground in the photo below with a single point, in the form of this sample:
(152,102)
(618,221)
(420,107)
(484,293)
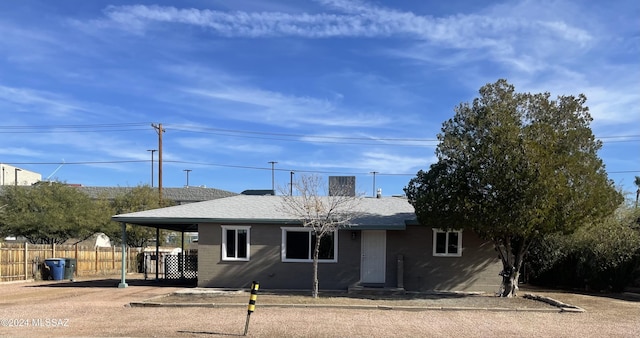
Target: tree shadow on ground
(376,294)
(211,333)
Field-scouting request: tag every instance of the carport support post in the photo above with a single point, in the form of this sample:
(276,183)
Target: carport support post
(123,272)
(183,258)
(157,251)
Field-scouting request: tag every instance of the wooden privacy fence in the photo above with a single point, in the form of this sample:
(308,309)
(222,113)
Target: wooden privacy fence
(23,261)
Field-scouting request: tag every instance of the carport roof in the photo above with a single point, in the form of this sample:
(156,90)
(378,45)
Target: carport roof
(387,213)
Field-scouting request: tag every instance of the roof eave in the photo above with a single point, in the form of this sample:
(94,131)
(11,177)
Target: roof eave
(199,220)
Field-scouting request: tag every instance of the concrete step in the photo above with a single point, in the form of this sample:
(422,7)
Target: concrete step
(366,290)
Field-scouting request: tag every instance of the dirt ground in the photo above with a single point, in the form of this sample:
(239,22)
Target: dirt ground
(97,308)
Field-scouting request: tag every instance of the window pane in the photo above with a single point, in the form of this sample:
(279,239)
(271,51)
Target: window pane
(298,245)
(453,243)
(231,243)
(326,246)
(441,242)
(242,243)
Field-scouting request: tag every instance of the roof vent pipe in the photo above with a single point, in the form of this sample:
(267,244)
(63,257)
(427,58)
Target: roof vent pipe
(379,193)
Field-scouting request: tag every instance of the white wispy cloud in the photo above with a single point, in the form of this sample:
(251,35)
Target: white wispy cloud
(43,102)
(393,163)
(227,145)
(369,139)
(20,151)
(276,108)
(506,35)
(353,19)
(380,161)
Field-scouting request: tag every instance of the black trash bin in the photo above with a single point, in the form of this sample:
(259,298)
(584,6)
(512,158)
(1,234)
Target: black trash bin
(56,265)
(70,267)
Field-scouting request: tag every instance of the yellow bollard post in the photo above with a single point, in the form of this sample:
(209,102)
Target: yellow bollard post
(252,304)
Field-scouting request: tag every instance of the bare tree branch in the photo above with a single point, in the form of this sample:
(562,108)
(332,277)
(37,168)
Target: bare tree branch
(323,214)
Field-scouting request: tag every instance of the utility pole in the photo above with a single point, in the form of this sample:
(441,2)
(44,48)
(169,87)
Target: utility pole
(160,131)
(291,184)
(374,183)
(273,181)
(152,151)
(187,171)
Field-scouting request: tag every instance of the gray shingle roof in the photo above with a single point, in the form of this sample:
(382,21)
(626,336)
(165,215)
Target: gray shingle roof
(382,213)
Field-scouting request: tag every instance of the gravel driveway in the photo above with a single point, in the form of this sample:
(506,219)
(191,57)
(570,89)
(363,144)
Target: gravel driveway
(99,309)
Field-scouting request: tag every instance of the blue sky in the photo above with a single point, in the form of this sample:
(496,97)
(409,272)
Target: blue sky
(333,87)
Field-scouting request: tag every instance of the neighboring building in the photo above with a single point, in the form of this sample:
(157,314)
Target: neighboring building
(11,175)
(245,238)
(97,240)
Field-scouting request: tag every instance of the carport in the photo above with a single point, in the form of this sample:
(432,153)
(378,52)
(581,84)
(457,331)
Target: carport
(181,225)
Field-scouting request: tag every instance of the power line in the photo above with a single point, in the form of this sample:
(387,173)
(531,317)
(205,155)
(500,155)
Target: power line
(337,139)
(78,126)
(71,131)
(216,130)
(309,138)
(248,167)
(80,162)
(73,128)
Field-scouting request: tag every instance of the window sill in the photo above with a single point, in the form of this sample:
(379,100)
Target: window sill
(235,259)
(309,261)
(447,255)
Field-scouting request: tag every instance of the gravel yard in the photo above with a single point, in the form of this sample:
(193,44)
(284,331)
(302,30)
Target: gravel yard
(333,299)
(97,308)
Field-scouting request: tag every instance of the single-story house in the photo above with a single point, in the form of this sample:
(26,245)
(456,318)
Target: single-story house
(245,238)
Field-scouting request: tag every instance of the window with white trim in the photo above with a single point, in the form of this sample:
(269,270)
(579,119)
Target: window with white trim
(236,243)
(447,243)
(298,244)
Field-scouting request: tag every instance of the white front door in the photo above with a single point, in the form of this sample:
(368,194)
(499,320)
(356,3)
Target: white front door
(372,264)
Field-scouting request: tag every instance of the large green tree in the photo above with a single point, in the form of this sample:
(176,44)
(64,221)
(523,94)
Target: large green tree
(50,212)
(139,198)
(513,167)
(600,256)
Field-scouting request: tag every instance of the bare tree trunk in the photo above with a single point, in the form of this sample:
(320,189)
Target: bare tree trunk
(512,255)
(510,284)
(316,252)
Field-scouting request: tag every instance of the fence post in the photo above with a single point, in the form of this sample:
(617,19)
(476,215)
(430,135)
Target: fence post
(77,260)
(1,266)
(26,259)
(131,262)
(53,250)
(96,250)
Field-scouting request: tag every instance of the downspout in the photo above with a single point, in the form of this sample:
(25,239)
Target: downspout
(123,272)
